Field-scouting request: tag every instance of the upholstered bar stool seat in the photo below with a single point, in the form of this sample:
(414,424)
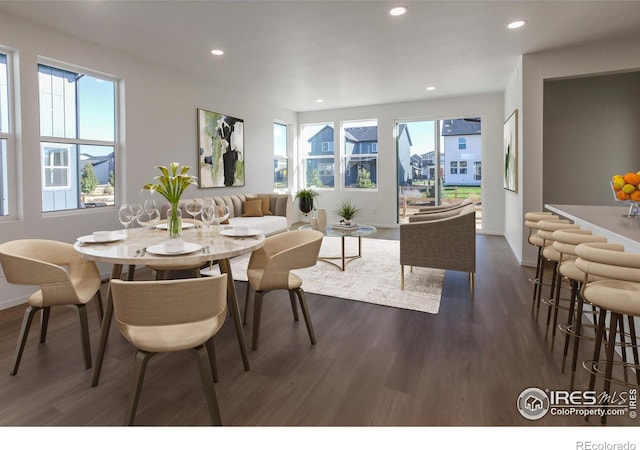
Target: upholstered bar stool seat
(618,294)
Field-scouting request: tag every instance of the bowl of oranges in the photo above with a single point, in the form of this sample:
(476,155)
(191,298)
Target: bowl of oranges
(626,189)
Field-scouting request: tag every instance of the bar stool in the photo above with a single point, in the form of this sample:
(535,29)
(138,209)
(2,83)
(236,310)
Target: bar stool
(565,243)
(618,294)
(531,222)
(549,255)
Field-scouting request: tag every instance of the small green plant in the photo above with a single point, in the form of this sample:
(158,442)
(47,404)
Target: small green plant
(306,196)
(347,210)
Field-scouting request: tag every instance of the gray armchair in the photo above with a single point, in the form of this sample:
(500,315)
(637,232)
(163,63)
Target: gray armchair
(440,241)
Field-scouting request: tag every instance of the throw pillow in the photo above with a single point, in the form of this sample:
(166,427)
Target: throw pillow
(266,205)
(252,208)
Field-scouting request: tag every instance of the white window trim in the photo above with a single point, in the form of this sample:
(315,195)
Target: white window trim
(12,194)
(46,167)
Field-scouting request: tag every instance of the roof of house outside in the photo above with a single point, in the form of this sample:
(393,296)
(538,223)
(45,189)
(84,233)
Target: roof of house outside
(361,134)
(461,127)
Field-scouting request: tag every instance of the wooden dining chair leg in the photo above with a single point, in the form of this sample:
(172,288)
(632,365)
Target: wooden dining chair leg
(305,313)
(22,337)
(571,319)
(211,351)
(84,335)
(257,313)
(247,294)
(623,347)
(207,384)
(140,366)
(44,323)
(99,306)
(294,306)
(600,332)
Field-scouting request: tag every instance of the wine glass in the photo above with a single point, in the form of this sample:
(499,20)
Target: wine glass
(136,209)
(208,214)
(194,208)
(125,216)
(221,214)
(154,217)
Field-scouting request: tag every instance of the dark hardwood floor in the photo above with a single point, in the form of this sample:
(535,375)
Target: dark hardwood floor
(372,365)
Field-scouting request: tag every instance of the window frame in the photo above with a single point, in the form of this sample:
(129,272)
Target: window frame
(305,155)
(462,143)
(453,168)
(462,167)
(9,209)
(81,142)
(285,158)
(48,169)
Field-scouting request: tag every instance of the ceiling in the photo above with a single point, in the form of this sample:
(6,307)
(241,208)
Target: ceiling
(349,53)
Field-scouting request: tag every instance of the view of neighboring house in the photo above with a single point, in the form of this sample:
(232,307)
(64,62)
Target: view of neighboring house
(360,141)
(103,166)
(463,152)
(406,163)
(318,168)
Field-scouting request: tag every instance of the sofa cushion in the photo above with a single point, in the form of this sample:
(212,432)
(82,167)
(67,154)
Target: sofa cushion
(279,205)
(266,205)
(267,224)
(252,208)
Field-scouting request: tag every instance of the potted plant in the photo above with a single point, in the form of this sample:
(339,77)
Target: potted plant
(347,211)
(306,196)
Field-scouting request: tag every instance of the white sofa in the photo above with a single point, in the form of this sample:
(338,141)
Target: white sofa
(280,206)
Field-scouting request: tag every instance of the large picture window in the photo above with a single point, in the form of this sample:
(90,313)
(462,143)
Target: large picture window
(360,147)
(77,138)
(280,159)
(318,156)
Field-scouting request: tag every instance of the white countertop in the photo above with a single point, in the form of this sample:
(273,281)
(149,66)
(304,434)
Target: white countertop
(609,221)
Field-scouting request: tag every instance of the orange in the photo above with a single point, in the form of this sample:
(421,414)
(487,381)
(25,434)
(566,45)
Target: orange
(631,178)
(635,196)
(622,195)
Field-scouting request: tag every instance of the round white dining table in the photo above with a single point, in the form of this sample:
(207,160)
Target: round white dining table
(143,247)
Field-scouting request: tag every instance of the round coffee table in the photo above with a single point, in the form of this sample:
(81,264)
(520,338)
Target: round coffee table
(341,232)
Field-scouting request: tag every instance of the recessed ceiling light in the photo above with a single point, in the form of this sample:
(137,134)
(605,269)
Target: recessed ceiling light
(398,10)
(319,100)
(217,52)
(516,24)
(431,88)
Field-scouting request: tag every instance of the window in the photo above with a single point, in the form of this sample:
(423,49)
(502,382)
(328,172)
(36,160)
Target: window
(318,156)
(462,143)
(280,159)
(327,147)
(7,154)
(453,168)
(55,167)
(77,138)
(463,167)
(360,147)
(478,171)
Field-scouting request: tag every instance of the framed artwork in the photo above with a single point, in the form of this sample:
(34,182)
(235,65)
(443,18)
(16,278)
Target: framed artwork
(220,150)
(511,152)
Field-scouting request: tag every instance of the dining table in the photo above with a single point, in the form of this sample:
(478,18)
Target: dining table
(143,246)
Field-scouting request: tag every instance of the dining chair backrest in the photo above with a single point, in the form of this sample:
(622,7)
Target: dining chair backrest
(55,266)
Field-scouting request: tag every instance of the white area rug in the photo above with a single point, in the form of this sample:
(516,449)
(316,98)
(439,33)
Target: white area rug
(374,278)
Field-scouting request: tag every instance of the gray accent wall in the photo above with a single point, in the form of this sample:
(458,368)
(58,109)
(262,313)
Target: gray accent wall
(591,130)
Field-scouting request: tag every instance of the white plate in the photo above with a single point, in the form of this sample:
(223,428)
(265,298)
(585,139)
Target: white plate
(235,233)
(89,239)
(159,249)
(164,226)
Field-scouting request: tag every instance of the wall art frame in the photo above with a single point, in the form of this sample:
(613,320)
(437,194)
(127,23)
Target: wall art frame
(510,159)
(221,157)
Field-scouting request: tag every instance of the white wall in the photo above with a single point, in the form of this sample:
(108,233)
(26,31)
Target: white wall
(536,67)
(380,207)
(158,126)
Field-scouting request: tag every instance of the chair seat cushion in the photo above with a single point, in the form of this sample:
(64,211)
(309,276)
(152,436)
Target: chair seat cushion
(569,269)
(255,278)
(614,295)
(267,224)
(171,338)
(536,240)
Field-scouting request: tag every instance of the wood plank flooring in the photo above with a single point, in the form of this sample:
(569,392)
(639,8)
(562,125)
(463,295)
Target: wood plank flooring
(372,365)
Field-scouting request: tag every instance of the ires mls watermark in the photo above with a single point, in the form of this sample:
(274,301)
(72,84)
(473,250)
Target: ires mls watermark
(534,403)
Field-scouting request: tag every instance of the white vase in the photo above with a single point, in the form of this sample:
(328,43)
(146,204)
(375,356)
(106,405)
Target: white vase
(322,219)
